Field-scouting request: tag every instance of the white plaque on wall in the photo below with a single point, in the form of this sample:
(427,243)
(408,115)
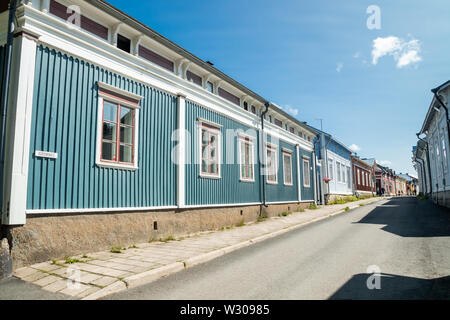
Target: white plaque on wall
(46,154)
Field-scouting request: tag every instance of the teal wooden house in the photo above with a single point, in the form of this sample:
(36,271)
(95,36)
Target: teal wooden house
(104,115)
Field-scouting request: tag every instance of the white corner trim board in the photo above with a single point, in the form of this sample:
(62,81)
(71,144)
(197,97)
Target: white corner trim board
(18,132)
(181,151)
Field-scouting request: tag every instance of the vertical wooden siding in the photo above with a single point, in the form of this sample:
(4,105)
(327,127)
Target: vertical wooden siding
(280,192)
(307,192)
(65,121)
(228,189)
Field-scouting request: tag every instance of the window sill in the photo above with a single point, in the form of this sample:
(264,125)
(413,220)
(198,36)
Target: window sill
(289,184)
(272,182)
(207,176)
(116,166)
(308,186)
(247,180)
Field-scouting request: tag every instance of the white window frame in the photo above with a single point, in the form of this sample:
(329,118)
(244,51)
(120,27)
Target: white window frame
(274,149)
(331,170)
(288,154)
(344,173)
(306,160)
(101,98)
(348,174)
(338,172)
(213,128)
(247,140)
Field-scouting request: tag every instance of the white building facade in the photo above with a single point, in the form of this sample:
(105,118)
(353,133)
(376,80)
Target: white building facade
(431,153)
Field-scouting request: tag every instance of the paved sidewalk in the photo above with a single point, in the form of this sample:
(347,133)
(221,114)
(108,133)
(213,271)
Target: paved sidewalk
(96,275)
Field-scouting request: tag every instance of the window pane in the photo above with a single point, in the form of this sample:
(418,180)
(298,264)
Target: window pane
(126,135)
(126,116)
(109,151)
(306,179)
(126,153)
(109,131)
(213,167)
(109,111)
(209,86)
(204,136)
(204,166)
(204,153)
(212,139)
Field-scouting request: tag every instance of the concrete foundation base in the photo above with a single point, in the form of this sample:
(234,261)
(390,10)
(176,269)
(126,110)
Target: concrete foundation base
(441,198)
(5,259)
(54,236)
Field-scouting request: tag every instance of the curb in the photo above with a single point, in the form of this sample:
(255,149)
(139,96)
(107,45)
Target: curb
(106,291)
(155,274)
(152,275)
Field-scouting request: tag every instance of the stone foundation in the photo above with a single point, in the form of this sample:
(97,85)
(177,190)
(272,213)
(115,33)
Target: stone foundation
(441,198)
(54,236)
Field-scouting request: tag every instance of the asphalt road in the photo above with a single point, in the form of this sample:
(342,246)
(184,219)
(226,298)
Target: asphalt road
(406,239)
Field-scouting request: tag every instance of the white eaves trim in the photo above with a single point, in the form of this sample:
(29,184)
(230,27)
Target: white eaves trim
(119,91)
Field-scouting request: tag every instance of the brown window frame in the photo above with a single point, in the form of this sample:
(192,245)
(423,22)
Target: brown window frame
(118,125)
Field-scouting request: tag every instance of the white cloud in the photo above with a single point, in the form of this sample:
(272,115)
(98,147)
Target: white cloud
(384,162)
(403,52)
(408,58)
(356,55)
(290,110)
(354,147)
(339,66)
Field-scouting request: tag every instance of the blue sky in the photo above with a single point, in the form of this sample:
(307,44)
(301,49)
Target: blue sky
(314,58)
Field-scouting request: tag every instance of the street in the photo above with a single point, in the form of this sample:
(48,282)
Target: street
(408,240)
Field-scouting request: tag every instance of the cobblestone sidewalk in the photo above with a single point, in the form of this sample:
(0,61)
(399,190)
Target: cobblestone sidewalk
(96,275)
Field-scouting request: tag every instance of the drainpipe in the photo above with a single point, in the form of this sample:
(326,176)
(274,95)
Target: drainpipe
(317,184)
(422,165)
(262,179)
(428,162)
(6,76)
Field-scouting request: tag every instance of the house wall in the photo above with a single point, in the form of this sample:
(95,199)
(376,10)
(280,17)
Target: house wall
(362,178)
(65,121)
(336,186)
(307,193)
(66,194)
(438,142)
(228,188)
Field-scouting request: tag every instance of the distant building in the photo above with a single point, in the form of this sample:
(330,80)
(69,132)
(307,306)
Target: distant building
(385,181)
(400,186)
(335,167)
(412,186)
(363,176)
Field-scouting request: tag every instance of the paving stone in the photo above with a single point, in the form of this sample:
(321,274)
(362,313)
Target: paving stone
(45,266)
(61,272)
(75,290)
(87,277)
(87,292)
(46,280)
(56,286)
(104,281)
(35,276)
(24,272)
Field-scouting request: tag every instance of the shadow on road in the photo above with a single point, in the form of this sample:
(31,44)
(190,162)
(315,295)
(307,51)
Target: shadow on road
(394,287)
(410,217)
